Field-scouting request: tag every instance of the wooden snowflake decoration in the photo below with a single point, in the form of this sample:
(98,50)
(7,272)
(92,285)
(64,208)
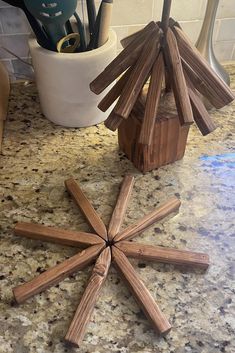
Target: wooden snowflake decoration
(105,246)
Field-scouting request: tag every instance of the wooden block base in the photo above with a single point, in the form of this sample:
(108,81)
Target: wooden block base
(169,138)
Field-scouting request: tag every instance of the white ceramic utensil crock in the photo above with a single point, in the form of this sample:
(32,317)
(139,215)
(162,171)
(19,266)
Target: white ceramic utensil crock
(63,83)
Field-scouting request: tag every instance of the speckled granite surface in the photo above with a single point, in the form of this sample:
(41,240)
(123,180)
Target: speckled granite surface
(37,157)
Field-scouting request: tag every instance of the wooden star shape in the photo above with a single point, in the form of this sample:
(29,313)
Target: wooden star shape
(106,246)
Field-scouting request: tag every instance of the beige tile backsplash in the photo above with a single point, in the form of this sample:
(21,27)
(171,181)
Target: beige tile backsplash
(128,16)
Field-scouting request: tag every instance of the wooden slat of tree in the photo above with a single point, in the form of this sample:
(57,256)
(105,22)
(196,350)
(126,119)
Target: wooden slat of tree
(86,306)
(175,69)
(56,274)
(126,58)
(113,121)
(57,235)
(156,215)
(87,209)
(218,92)
(153,98)
(200,114)
(139,76)
(140,292)
(164,255)
(115,92)
(127,40)
(121,206)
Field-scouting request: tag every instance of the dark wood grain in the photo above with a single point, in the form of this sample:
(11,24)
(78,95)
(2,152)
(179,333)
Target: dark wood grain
(57,235)
(140,293)
(126,58)
(87,209)
(172,205)
(115,91)
(153,98)
(86,306)
(56,274)
(164,255)
(168,142)
(219,93)
(127,40)
(139,76)
(113,121)
(121,206)
(175,69)
(200,114)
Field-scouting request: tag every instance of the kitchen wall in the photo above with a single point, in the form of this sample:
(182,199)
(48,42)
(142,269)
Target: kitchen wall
(128,16)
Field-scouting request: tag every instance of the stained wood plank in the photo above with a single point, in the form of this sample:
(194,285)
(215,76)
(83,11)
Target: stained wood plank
(140,293)
(86,208)
(218,93)
(115,92)
(127,40)
(169,136)
(86,306)
(126,58)
(57,235)
(172,205)
(153,98)
(164,255)
(121,206)
(200,114)
(113,121)
(139,76)
(175,69)
(56,274)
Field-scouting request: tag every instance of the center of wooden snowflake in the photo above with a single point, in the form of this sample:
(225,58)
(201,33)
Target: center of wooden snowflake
(110,242)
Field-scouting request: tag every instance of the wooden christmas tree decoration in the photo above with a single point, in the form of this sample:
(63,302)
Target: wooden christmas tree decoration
(106,246)
(163,53)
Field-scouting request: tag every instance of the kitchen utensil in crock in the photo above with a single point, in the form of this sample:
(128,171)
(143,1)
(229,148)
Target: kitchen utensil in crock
(53,14)
(71,48)
(105,21)
(40,34)
(91,12)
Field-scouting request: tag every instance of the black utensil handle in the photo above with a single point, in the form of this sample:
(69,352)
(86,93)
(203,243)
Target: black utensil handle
(91,11)
(95,36)
(166,15)
(68,27)
(81,32)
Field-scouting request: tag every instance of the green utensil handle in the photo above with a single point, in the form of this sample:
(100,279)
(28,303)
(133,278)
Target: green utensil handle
(55,32)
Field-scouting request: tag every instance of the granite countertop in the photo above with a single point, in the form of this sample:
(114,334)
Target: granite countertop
(37,157)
